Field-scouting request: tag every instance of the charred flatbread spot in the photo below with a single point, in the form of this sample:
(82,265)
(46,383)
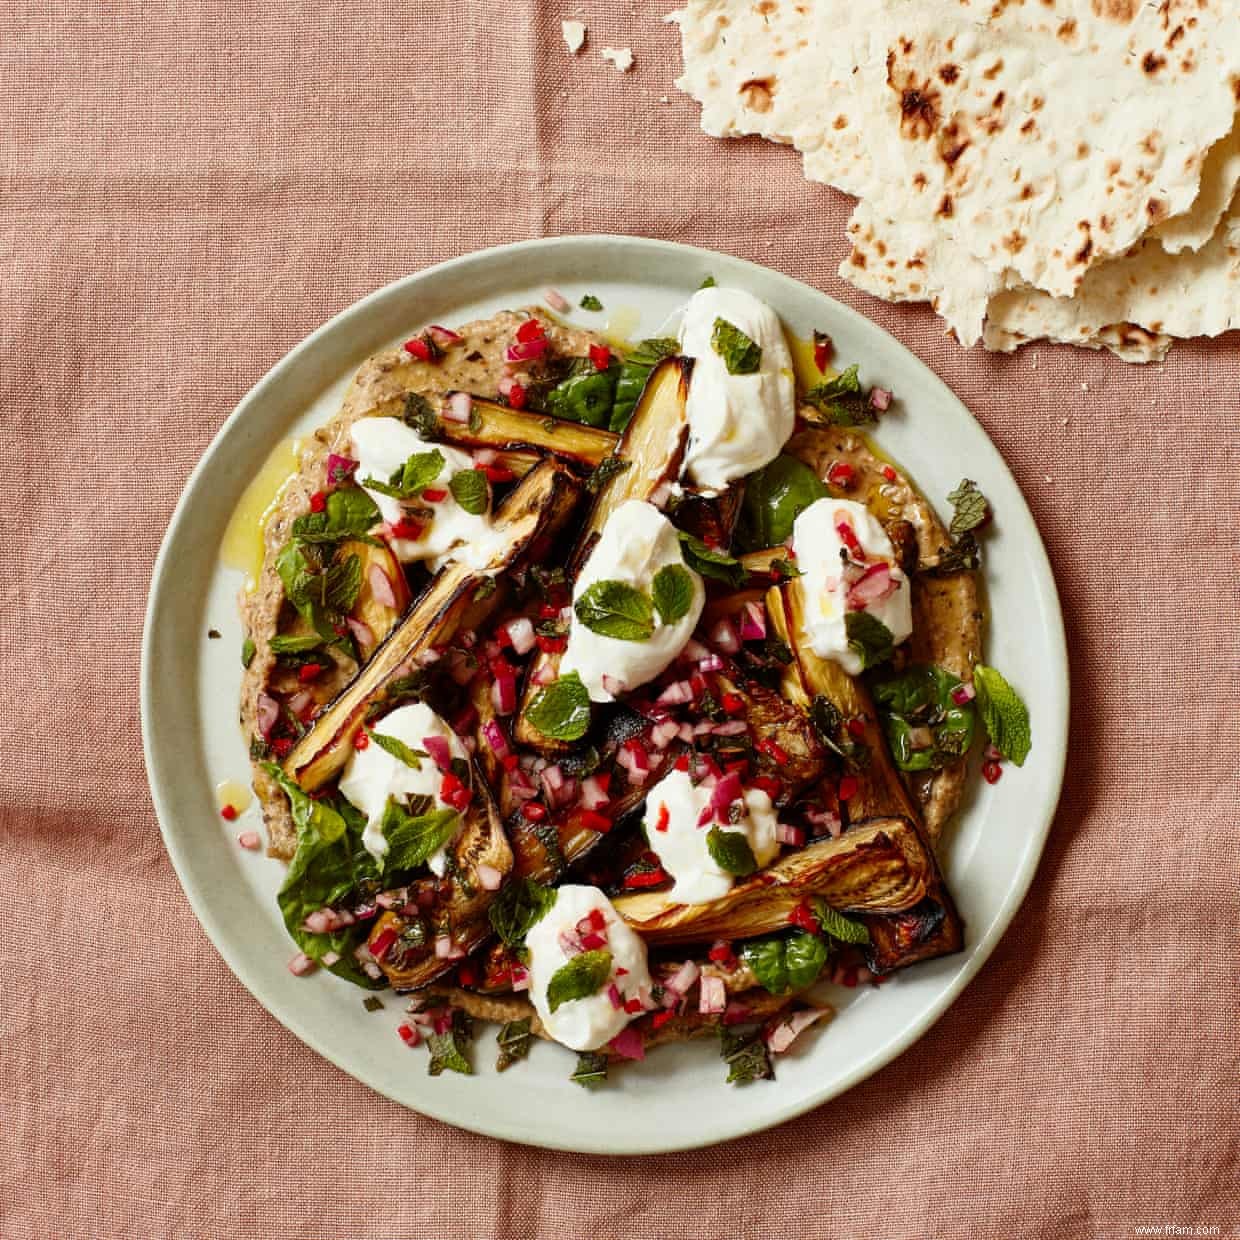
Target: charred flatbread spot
(1235,88)
(994,70)
(1014,242)
(919,111)
(1087,246)
(857,258)
(1037,103)
(1175,36)
(1113,167)
(1082,149)
(1123,11)
(1067,29)
(919,181)
(1026,191)
(841,121)
(757,93)
(1156,209)
(1029,126)
(1149,144)
(765,7)
(948,73)
(946,207)
(1152,63)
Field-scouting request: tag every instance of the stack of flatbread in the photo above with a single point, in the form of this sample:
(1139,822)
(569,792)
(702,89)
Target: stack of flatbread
(1036,169)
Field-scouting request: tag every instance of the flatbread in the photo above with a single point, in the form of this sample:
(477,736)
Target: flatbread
(1043,139)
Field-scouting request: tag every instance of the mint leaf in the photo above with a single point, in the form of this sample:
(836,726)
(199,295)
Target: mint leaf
(785,570)
(741,355)
(768,962)
(342,581)
(294,644)
(921,697)
(805,955)
(634,371)
(514,1043)
(412,838)
(709,282)
(616,609)
(730,851)
(708,562)
(399,750)
(869,637)
(561,710)
(469,489)
(520,905)
(412,478)
(585,974)
(745,1053)
(841,400)
(348,512)
(590,302)
(591,1070)
(248,651)
(605,471)
(774,497)
(419,415)
(448,1051)
(321,594)
(836,926)
(1006,717)
(672,589)
(969,508)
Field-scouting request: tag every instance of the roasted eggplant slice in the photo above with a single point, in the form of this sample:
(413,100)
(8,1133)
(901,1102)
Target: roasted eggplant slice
(379,607)
(647,460)
(880,790)
(877,870)
(459,906)
(532,511)
(520,435)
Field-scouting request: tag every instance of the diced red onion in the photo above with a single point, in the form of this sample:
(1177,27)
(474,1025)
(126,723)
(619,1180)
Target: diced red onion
(733,727)
(544,673)
(920,738)
(392,899)
(520,978)
(612,685)
(569,943)
(506,384)
(250,840)
(682,979)
(486,456)
(663,734)
(703,727)
(628,1044)
(361,632)
(712,663)
(526,350)
(874,585)
(592,794)
(694,651)
(880,399)
(713,997)
(724,635)
(661,494)
(301,964)
(521,634)
(685,733)
(267,712)
(556,300)
(493,734)
(504,694)
(678,693)
(329,958)
(962,694)
(753,622)
(552,778)
(785,833)
(781,1036)
(446,949)
(299,701)
(458,407)
(339,467)
(442,336)
(992,754)
(320,921)
(439,750)
(425,658)
(381,586)
(489,877)
(725,791)
(735,1013)
(614,997)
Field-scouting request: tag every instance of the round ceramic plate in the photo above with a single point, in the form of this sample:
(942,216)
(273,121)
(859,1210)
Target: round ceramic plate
(677,1098)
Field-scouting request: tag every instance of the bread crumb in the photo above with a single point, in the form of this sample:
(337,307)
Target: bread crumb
(1084,387)
(621,57)
(1063,421)
(574,35)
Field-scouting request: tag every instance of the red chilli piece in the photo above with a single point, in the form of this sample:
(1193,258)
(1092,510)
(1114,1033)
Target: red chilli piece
(856,728)
(773,750)
(889,473)
(772,787)
(721,953)
(467,974)
(361,740)
(664,818)
(535,811)
(282,746)
(659,1019)
(409,1035)
(849,786)
(498,473)
(435,495)
(594,821)
(308,672)
(405,528)
(517,397)
(841,475)
(803,918)
(632,1006)
(229,813)
(732,703)
(318,501)
(531,329)
(420,348)
(645,878)
(682,763)
(600,355)
(848,536)
(991,771)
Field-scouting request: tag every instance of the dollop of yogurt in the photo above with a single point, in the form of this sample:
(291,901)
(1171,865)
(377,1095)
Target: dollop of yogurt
(372,775)
(674,812)
(637,541)
(382,446)
(592,1021)
(848,565)
(737,423)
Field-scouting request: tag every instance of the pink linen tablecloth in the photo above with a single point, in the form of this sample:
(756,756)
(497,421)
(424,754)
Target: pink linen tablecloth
(187,190)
